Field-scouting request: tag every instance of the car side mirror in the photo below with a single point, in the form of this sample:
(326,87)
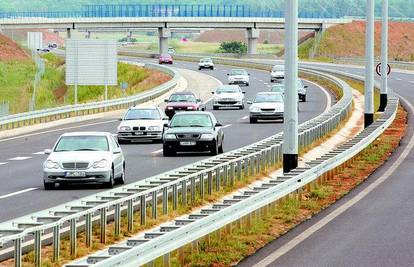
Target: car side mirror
(166,100)
(305,86)
(218,124)
(213,93)
(243,92)
(198,100)
(165,119)
(166,125)
(228,74)
(117,151)
(120,119)
(249,102)
(248,74)
(47,151)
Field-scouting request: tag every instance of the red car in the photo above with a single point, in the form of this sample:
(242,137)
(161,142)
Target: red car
(165,59)
(183,101)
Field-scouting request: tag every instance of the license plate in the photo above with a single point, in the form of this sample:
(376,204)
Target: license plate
(75,174)
(188,143)
(138,133)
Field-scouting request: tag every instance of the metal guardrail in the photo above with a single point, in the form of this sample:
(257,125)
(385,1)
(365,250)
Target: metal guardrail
(46,115)
(170,186)
(161,241)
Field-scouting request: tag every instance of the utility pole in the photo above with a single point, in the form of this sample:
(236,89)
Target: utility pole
(290,127)
(369,67)
(384,56)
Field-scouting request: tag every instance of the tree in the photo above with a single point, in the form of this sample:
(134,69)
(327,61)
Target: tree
(233,47)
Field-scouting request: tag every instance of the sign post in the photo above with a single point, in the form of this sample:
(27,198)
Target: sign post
(369,67)
(384,56)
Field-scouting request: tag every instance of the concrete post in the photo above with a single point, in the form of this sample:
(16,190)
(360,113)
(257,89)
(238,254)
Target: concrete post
(164,34)
(369,67)
(384,56)
(129,36)
(88,35)
(290,137)
(252,39)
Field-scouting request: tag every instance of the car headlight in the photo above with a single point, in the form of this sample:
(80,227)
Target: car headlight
(190,108)
(254,109)
(100,164)
(125,128)
(207,137)
(154,128)
(51,165)
(170,136)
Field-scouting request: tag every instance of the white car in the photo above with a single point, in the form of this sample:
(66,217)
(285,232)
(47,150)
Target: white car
(228,96)
(239,76)
(142,123)
(267,106)
(171,51)
(277,73)
(302,91)
(206,63)
(84,157)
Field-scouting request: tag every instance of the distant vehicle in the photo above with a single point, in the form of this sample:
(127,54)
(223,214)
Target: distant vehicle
(193,131)
(142,123)
(84,157)
(267,106)
(52,45)
(165,59)
(171,51)
(183,101)
(206,63)
(280,88)
(44,50)
(228,96)
(277,73)
(239,76)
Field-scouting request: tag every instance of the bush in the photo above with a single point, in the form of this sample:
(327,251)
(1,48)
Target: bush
(233,47)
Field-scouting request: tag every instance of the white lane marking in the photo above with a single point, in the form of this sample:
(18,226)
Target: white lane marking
(328,96)
(39,153)
(157,151)
(260,80)
(266,83)
(398,79)
(245,118)
(344,207)
(255,78)
(17,193)
(411,81)
(56,130)
(3,163)
(226,126)
(19,158)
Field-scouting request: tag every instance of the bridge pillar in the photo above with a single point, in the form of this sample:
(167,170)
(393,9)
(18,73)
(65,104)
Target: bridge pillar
(129,36)
(68,33)
(164,34)
(252,39)
(88,35)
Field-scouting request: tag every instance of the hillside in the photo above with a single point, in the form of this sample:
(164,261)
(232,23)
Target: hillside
(10,51)
(348,40)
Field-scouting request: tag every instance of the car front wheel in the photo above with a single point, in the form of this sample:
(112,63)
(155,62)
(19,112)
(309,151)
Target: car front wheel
(121,180)
(111,182)
(48,186)
(214,149)
(253,120)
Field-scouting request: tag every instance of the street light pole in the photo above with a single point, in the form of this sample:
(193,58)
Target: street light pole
(384,56)
(290,127)
(369,67)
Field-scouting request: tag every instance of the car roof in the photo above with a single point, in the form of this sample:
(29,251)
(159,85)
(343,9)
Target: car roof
(238,69)
(183,93)
(86,134)
(141,107)
(268,93)
(194,113)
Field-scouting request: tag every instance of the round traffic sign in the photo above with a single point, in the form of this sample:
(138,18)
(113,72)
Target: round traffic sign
(378,69)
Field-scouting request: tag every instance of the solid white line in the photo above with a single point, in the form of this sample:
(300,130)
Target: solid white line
(19,158)
(328,96)
(245,118)
(226,126)
(157,151)
(344,207)
(57,130)
(17,193)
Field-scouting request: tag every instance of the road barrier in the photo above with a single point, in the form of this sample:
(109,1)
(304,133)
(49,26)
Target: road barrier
(198,179)
(46,115)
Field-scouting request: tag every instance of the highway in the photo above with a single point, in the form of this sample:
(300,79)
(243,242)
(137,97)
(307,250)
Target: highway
(21,159)
(375,231)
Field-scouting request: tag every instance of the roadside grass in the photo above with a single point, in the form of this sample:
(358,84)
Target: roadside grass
(16,79)
(360,87)
(228,248)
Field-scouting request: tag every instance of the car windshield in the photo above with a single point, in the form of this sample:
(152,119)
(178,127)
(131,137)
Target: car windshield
(142,114)
(278,68)
(191,120)
(279,88)
(82,143)
(227,89)
(182,98)
(207,60)
(237,72)
(266,98)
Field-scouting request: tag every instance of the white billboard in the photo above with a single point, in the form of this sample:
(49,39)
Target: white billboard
(91,62)
(35,40)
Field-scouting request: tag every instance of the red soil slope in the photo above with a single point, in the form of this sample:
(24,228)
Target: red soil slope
(10,51)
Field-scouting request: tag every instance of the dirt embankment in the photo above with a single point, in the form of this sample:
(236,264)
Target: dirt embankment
(10,51)
(48,36)
(348,40)
(268,36)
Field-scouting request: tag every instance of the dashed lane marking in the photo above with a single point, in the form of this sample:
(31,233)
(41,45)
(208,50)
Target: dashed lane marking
(17,193)
(39,153)
(157,151)
(245,118)
(398,79)
(3,163)
(19,158)
(226,126)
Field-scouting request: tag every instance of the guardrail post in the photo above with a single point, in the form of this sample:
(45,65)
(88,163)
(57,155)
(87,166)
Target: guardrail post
(38,248)
(209,183)
(56,243)
(130,215)
(166,259)
(246,168)
(218,180)
(225,175)
(117,219)
(193,189)
(103,225)
(143,209)
(202,186)
(184,193)
(181,256)
(72,223)
(154,204)
(239,170)
(164,200)
(251,160)
(18,252)
(175,196)
(232,173)
(88,230)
